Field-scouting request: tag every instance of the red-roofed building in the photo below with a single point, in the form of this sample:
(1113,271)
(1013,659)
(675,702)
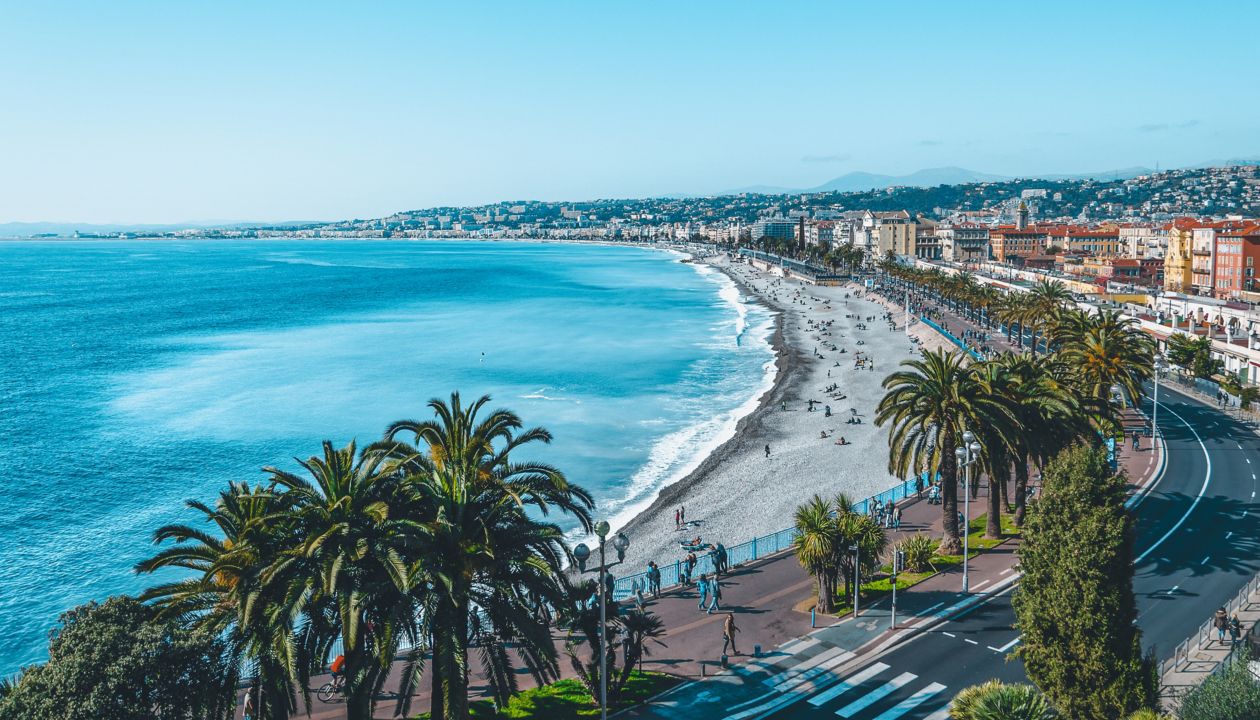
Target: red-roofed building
(1237,254)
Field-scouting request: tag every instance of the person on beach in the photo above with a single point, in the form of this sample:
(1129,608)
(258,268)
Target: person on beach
(728,633)
(767,450)
(682,514)
(715,591)
(677,524)
(702,588)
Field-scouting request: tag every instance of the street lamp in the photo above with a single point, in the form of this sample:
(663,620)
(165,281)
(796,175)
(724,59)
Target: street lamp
(967,453)
(582,553)
(857,578)
(1159,366)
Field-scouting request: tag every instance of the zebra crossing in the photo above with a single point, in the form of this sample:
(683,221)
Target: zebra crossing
(874,692)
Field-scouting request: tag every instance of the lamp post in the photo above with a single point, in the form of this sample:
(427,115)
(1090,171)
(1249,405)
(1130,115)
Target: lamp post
(582,553)
(857,578)
(967,453)
(1159,366)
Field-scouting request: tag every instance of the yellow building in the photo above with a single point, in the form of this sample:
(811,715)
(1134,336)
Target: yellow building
(1179,260)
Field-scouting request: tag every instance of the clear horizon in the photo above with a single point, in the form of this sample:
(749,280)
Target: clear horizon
(148,113)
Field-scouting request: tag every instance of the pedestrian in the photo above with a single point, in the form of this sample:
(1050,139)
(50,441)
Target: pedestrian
(1235,628)
(677,523)
(1135,440)
(1221,622)
(636,586)
(897,521)
(702,587)
(654,579)
(767,450)
(715,592)
(728,634)
(248,710)
(721,557)
(682,514)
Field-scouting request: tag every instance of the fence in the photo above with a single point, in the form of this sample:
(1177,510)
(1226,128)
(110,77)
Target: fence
(975,355)
(759,547)
(1203,637)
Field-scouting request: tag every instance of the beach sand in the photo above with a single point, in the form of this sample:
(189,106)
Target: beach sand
(738,492)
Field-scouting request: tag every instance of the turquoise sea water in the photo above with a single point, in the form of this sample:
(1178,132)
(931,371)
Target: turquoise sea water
(134,375)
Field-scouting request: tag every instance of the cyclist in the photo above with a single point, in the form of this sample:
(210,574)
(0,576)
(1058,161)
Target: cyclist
(338,666)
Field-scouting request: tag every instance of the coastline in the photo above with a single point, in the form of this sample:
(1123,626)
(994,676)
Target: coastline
(737,492)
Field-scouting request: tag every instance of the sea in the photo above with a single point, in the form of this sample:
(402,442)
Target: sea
(135,375)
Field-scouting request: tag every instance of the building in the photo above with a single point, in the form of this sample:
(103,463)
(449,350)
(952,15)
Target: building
(1143,241)
(1011,244)
(963,242)
(1237,255)
(821,233)
(1202,257)
(1089,241)
(773,228)
(1179,255)
(884,232)
(927,244)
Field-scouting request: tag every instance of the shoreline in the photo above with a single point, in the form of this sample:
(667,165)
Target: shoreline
(737,492)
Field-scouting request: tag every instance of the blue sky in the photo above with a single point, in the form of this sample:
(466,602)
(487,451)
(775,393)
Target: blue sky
(180,111)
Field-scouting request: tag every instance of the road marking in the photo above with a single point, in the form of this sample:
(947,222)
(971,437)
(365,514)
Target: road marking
(1239,445)
(876,695)
(1228,534)
(1248,460)
(1253,476)
(803,666)
(820,669)
(1006,571)
(1205,559)
(1010,644)
(949,634)
(798,645)
(754,701)
(969,640)
(1207,479)
(1174,589)
(977,586)
(850,682)
(911,702)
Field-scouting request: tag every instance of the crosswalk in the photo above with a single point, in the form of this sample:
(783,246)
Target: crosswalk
(874,692)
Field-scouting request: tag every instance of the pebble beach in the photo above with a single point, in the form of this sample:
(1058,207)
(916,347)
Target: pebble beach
(834,347)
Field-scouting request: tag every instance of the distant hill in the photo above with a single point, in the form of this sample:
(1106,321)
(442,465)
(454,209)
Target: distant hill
(65,229)
(933,177)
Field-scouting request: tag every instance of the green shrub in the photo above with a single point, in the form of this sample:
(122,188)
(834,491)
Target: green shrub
(918,550)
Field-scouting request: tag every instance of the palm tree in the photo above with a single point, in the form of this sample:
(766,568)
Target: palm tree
(353,570)
(815,547)
(490,562)
(1046,299)
(929,405)
(1106,350)
(994,700)
(226,592)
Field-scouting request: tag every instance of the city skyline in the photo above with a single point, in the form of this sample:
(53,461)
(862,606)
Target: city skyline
(143,113)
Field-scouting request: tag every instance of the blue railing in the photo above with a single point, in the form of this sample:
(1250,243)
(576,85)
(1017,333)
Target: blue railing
(975,355)
(757,548)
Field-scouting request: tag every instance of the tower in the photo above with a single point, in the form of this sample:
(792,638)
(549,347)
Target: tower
(1021,218)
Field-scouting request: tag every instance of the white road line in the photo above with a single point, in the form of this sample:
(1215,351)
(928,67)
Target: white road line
(876,695)
(1006,571)
(850,682)
(1207,479)
(800,668)
(1228,534)
(1239,445)
(1253,476)
(911,702)
(1010,645)
(979,585)
(1174,589)
(812,673)
(1205,559)
(797,645)
(754,701)
(949,634)
(1248,460)
(969,640)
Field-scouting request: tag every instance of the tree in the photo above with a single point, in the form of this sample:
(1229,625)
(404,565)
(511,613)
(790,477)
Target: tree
(997,701)
(1193,354)
(815,547)
(1075,604)
(631,630)
(490,563)
(1231,694)
(1105,350)
(119,661)
(929,405)
(226,594)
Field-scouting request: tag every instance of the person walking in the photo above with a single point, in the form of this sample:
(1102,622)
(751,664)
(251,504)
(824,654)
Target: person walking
(654,579)
(728,633)
(897,521)
(715,591)
(248,710)
(721,558)
(677,519)
(1221,622)
(702,587)
(1235,628)
(767,451)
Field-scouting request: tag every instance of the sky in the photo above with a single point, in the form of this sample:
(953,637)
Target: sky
(171,112)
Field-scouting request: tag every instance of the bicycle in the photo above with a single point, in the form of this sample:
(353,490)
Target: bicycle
(331,689)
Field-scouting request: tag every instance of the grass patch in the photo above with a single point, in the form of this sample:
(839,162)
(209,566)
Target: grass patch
(569,700)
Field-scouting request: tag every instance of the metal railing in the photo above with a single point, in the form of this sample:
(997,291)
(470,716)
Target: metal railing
(1203,637)
(763,546)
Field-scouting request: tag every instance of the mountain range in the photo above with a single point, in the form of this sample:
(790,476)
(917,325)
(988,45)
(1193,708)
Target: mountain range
(929,177)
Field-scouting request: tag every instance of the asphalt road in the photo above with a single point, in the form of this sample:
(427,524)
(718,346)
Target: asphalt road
(1196,543)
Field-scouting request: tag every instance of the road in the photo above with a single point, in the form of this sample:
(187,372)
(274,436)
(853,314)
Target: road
(1196,543)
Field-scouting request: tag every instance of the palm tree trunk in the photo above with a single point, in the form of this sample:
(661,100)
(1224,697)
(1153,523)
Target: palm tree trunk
(993,524)
(950,543)
(1021,489)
